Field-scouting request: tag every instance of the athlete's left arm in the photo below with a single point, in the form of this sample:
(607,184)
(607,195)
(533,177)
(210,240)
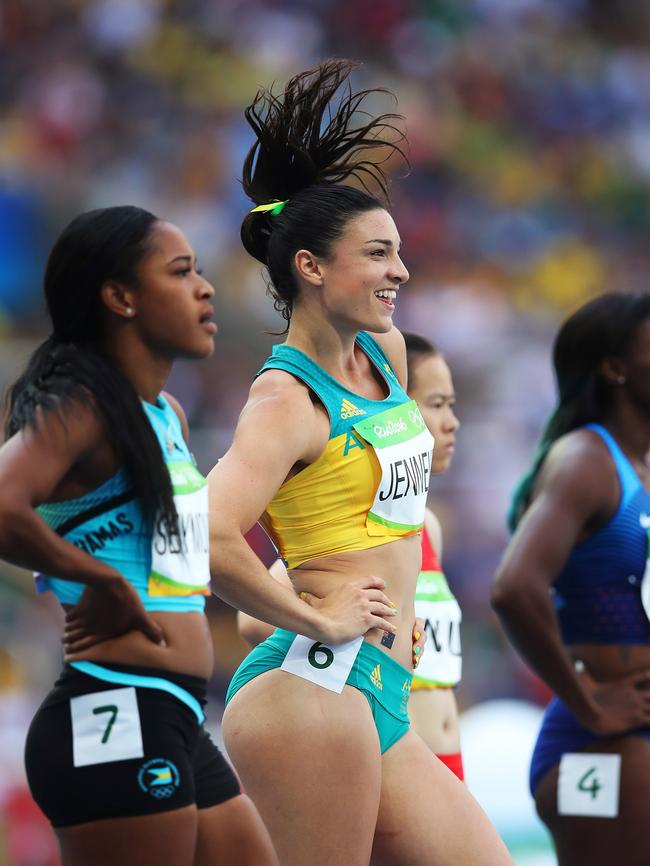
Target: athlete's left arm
(395,349)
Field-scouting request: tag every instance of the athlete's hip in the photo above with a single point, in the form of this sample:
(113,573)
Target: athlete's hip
(187,647)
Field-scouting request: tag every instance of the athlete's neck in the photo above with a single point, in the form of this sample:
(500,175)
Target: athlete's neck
(332,348)
(146,371)
(631,430)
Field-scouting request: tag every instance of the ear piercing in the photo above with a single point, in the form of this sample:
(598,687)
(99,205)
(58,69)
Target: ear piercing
(620,380)
(128,311)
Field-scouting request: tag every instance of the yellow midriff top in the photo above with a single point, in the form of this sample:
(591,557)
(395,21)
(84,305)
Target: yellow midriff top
(332,505)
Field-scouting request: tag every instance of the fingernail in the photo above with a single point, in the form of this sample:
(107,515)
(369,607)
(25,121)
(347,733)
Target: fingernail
(417,635)
(417,650)
(394,610)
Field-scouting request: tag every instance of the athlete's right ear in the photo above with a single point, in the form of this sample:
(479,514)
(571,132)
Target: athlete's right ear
(308,267)
(118,299)
(613,370)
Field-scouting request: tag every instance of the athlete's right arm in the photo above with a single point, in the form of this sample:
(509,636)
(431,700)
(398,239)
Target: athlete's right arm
(278,428)
(33,463)
(576,492)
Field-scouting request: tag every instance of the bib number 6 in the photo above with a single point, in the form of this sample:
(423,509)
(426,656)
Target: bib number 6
(326,654)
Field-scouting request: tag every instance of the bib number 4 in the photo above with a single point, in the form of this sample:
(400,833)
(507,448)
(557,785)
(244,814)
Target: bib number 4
(588,784)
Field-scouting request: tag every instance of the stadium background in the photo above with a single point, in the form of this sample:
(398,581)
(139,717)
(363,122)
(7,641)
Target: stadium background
(529,129)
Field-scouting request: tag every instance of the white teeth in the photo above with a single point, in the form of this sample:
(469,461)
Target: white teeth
(391,294)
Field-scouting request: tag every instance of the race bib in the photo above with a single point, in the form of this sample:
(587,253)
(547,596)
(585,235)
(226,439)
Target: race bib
(588,784)
(180,562)
(105,727)
(327,666)
(403,446)
(441,662)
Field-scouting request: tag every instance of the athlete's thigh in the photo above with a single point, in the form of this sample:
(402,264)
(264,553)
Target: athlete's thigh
(309,758)
(233,834)
(599,841)
(427,817)
(148,840)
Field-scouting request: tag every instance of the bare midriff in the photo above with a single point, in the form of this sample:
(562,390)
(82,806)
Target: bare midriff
(435,715)
(187,648)
(606,662)
(397,563)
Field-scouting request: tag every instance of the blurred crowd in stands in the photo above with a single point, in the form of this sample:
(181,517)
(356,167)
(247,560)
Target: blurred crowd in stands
(528,192)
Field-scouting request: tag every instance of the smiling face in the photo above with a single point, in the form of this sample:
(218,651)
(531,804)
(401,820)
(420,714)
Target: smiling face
(433,390)
(171,304)
(360,281)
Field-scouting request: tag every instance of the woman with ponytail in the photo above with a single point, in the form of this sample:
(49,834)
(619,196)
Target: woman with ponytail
(99,494)
(573,589)
(334,459)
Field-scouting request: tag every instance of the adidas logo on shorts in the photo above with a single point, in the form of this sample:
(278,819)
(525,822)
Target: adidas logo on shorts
(349,410)
(375,676)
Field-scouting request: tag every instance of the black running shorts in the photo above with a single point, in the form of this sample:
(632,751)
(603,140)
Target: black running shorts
(98,749)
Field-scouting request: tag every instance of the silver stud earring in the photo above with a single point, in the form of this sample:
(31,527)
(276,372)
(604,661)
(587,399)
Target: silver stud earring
(128,311)
(620,380)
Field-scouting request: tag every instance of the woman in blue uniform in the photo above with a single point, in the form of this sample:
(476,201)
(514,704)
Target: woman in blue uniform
(99,494)
(573,590)
(334,458)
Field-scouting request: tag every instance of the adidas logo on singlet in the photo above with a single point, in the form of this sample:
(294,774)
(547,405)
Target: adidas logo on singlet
(375,676)
(349,410)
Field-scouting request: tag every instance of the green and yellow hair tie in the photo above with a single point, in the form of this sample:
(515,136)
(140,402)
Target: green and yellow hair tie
(274,208)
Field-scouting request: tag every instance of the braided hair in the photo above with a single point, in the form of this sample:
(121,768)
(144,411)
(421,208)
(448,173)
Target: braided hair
(69,367)
(604,327)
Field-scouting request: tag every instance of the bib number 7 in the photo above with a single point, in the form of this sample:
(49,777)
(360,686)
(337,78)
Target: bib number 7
(105,727)
(113,710)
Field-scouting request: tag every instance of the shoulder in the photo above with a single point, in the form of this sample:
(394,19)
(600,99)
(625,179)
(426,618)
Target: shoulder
(434,531)
(394,348)
(578,477)
(280,407)
(580,456)
(63,434)
(75,420)
(178,410)
(279,390)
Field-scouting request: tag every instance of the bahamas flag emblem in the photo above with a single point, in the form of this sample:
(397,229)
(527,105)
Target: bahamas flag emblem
(158,777)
